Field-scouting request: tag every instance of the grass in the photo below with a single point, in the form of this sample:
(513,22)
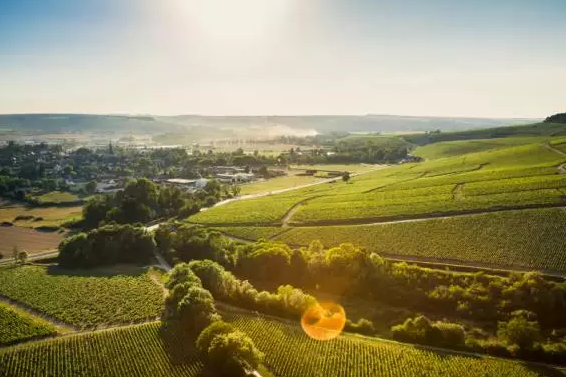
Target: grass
(289,352)
(26,239)
(16,326)
(352,168)
(527,239)
(139,350)
(278,183)
(38,216)
(58,197)
(85,299)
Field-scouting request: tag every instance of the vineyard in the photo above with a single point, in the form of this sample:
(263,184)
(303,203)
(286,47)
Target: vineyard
(507,176)
(139,350)
(289,352)
(16,326)
(528,239)
(83,301)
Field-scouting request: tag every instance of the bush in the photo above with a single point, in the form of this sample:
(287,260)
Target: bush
(422,330)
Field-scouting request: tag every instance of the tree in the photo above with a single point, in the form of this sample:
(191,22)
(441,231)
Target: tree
(519,331)
(196,310)
(346,177)
(209,333)
(22,257)
(19,256)
(90,187)
(236,190)
(234,354)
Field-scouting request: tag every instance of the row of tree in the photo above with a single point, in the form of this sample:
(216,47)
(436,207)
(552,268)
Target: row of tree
(189,309)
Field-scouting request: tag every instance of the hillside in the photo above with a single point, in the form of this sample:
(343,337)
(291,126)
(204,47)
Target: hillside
(459,183)
(208,127)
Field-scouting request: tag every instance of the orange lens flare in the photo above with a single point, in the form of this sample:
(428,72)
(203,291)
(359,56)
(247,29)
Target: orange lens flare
(324,321)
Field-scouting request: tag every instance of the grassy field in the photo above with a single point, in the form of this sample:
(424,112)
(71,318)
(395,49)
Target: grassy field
(139,350)
(278,184)
(352,168)
(529,239)
(289,352)
(33,217)
(85,299)
(16,326)
(58,197)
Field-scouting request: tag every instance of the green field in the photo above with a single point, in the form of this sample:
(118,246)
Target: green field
(57,197)
(251,233)
(16,326)
(522,239)
(82,298)
(510,176)
(139,350)
(278,183)
(289,352)
(145,350)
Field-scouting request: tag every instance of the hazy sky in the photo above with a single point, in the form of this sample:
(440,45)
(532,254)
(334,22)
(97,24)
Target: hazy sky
(504,58)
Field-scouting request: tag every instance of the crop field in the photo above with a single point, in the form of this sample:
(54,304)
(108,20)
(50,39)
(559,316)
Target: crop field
(16,326)
(289,352)
(83,301)
(251,233)
(510,176)
(34,217)
(139,350)
(454,148)
(27,239)
(529,239)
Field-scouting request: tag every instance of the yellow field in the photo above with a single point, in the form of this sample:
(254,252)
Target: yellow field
(352,168)
(42,216)
(278,184)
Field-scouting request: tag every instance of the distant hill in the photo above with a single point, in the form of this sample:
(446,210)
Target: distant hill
(536,129)
(82,123)
(556,118)
(199,127)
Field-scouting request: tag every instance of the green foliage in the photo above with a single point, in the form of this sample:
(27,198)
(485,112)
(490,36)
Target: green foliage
(209,333)
(185,242)
(107,245)
(520,331)
(140,350)
(556,118)
(16,326)
(83,301)
(421,330)
(196,309)
(234,353)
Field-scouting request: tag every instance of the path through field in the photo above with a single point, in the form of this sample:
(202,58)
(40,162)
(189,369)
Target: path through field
(561,167)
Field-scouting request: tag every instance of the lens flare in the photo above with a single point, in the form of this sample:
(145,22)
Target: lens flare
(324,321)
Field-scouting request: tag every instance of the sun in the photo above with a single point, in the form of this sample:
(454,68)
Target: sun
(233,21)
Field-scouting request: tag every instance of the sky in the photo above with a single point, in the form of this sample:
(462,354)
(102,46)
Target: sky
(478,58)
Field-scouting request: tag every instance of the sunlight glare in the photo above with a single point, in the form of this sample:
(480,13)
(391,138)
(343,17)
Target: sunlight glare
(233,21)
